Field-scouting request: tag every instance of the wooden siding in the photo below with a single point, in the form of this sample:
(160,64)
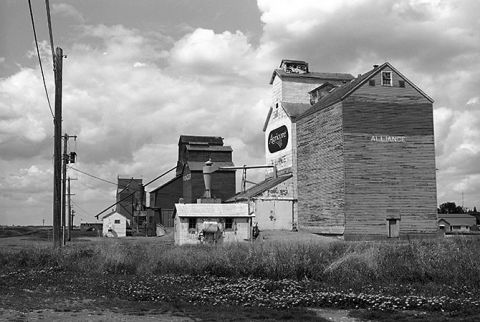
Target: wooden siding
(297,91)
(321,195)
(382,93)
(276,92)
(183,236)
(384,178)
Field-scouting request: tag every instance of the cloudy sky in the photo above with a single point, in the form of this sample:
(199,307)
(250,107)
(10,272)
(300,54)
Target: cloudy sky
(138,74)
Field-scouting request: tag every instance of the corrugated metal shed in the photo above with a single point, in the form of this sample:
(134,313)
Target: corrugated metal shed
(212,210)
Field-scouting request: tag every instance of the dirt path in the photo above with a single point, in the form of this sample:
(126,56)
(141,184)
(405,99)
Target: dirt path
(87,316)
(108,316)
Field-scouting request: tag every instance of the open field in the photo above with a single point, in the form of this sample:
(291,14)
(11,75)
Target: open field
(289,276)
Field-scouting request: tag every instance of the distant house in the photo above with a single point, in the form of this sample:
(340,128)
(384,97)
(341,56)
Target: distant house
(457,223)
(115,224)
(211,223)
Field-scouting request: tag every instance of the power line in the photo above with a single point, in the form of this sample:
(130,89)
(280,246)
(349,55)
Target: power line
(91,175)
(86,213)
(92,187)
(116,184)
(39,58)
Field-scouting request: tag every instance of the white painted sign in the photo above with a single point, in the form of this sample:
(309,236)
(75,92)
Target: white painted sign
(388,139)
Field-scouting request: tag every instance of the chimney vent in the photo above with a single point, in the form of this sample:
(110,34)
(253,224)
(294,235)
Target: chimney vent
(375,66)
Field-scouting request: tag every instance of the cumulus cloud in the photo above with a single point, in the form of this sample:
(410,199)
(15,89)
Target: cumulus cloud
(67,10)
(128,93)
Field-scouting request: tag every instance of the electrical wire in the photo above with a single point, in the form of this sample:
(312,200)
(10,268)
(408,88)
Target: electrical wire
(82,209)
(92,187)
(128,187)
(91,175)
(39,58)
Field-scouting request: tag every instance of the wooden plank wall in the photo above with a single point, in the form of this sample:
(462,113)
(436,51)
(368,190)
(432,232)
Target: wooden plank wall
(296,90)
(349,183)
(321,194)
(385,179)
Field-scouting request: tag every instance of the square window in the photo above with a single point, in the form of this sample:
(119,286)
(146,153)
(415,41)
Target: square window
(229,223)
(371,82)
(117,221)
(387,78)
(401,83)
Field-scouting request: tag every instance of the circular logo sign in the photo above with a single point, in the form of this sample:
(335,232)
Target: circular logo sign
(278,139)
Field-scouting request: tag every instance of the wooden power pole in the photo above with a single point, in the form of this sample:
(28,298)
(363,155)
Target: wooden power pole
(57,151)
(70,211)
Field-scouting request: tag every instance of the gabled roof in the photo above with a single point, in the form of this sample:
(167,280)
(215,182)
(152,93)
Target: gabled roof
(345,90)
(459,221)
(259,188)
(311,75)
(212,210)
(112,213)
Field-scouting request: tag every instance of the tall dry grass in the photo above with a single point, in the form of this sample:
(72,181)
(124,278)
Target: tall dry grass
(452,261)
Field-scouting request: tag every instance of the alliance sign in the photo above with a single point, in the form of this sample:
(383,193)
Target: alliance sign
(388,138)
(278,139)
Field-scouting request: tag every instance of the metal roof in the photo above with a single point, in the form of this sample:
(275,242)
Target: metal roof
(212,210)
(311,75)
(259,188)
(295,109)
(458,219)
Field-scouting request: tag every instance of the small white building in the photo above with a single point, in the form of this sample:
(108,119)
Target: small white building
(211,223)
(273,203)
(115,224)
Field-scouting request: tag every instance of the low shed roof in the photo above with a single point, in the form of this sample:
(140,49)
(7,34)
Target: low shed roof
(458,220)
(212,210)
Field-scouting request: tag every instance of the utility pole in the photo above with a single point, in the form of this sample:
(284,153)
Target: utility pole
(57,150)
(70,212)
(64,184)
(66,159)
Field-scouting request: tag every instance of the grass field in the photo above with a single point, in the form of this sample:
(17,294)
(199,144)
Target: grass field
(278,278)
